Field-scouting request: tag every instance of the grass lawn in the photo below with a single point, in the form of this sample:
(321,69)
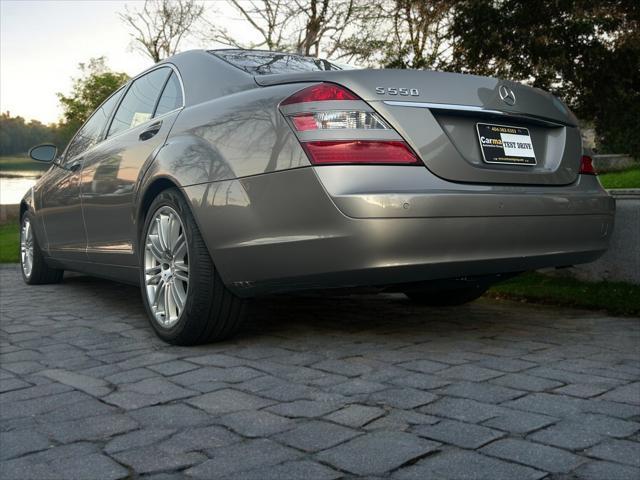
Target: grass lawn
(614,297)
(9,243)
(21,163)
(625,179)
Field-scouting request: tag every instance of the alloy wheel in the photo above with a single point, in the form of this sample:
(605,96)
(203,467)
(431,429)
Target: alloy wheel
(26,247)
(166,264)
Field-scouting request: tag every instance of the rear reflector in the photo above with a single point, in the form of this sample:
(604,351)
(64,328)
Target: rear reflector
(360,152)
(320,93)
(586,166)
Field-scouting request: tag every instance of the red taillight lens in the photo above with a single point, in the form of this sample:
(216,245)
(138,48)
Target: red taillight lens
(320,93)
(586,166)
(360,152)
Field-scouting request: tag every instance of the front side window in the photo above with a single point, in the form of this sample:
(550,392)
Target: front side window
(92,130)
(138,103)
(171,97)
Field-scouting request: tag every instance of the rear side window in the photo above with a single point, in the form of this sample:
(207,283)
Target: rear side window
(171,97)
(138,103)
(92,130)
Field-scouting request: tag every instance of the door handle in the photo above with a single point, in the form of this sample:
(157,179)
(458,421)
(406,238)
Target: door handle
(150,131)
(75,166)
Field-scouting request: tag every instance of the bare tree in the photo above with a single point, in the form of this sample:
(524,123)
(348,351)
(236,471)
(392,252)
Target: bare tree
(159,27)
(402,34)
(308,27)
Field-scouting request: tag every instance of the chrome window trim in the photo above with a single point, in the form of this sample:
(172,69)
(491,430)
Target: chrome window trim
(128,87)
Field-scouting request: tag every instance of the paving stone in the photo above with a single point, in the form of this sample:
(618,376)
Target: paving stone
(170,416)
(91,428)
(148,459)
(581,390)
(259,423)
(304,408)
(462,409)
(217,360)
(295,470)
(542,457)
(466,465)
(130,376)
(90,407)
(606,470)
(315,435)
(7,385)
(620,451)
(564,406)
(465,435)
(147,392)
(566,437)
(502,364)
(172,368)
(403,397)
(93,386)
(95,465)
(625,394)
(19,442)
(205,375)
(602,424)
(357,387)
(38,406)
(521,381)
(515,421)
(228,400)
(469,372)
(424,366)
(137,439)
(482,392)
(385,451)
(198,439)
(243,456)
(355,415)
(343,367)
(421,381)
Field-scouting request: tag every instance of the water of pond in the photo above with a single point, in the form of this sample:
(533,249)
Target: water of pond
(13,186)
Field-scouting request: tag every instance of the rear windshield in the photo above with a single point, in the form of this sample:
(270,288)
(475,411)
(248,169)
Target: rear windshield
(268,63)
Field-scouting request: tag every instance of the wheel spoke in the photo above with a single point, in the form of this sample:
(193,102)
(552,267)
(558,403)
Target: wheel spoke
(180,248)
(158,293)
(177,297)
(154,245)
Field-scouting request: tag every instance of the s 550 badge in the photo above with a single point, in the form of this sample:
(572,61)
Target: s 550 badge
(397,91)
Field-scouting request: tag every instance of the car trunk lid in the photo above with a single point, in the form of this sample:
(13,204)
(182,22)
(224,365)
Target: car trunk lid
(441,116)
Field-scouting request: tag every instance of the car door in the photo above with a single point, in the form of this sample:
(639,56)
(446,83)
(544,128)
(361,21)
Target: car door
(138,130)
(60,204)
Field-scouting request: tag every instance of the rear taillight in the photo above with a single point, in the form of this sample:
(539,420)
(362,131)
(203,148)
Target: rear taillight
(320,93)
(586,166)
(355,124)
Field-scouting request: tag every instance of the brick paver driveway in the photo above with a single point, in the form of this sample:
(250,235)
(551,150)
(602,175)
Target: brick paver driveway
(315,388)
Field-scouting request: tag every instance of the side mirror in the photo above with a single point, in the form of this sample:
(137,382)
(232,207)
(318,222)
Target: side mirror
(44,153)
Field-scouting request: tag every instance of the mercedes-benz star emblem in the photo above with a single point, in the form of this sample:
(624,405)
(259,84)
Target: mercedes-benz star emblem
(507,95)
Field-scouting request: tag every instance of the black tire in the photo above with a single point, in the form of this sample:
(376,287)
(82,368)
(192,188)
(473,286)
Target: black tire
(40,273)
(446,298)
(211,311)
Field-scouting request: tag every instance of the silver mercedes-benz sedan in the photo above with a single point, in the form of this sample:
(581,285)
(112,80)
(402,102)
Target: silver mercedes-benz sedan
(217,176)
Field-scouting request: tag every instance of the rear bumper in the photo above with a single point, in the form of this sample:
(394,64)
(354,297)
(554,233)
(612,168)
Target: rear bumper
(309,228)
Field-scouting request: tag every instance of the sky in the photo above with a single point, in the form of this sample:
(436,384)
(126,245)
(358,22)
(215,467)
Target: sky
(42,42)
